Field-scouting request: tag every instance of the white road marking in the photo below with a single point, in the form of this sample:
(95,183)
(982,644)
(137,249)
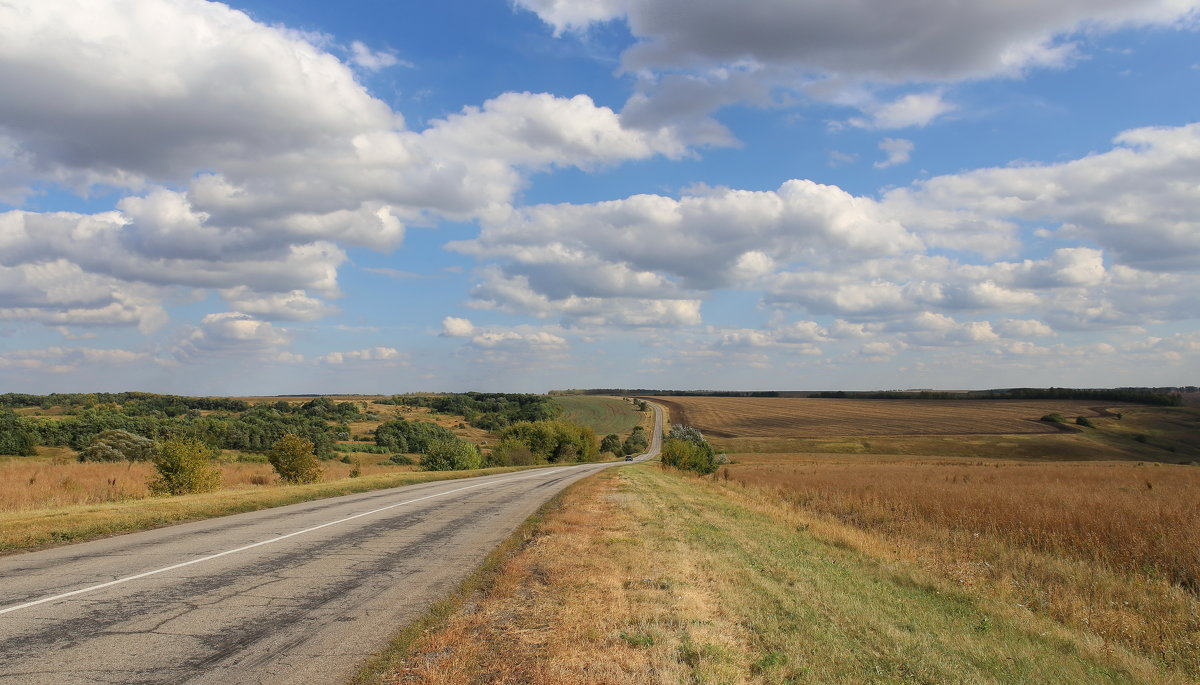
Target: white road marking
(227,552)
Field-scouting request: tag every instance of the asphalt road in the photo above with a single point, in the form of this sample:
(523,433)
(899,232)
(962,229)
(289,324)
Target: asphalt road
(297,594)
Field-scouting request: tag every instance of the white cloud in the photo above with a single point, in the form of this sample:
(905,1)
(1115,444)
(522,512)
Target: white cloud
(916,109)
(371,60)
(68,359)
(251,189)
(231,334)
(453,327)
(1137,201)
(387,356)
(693,58)
(898,150)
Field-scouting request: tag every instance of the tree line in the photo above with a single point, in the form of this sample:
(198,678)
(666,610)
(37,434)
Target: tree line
(488,411)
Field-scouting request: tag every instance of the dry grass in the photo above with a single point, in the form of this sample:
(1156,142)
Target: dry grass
(1111,548)
(800,417)
(646,577)
(30,528)
(29,484)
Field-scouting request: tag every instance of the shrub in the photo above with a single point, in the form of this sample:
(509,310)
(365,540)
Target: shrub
(611,443)
(554,441)
(118,445)
(184,466)
(402,459)
(511,453)
(685,448)
(1054,418)
(451,455)
(1083,421)
(294,460)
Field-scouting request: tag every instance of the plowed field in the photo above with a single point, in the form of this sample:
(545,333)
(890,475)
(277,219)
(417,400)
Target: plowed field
(800,417)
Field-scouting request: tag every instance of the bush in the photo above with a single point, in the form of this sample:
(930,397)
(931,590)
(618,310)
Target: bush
(685,448)
(612,444)
(118,445)
(1083,421)
(511,453)
(184,466)
(451,455)
(402,459)
(1054,418)
(294,460)
(15,439)
(554,441)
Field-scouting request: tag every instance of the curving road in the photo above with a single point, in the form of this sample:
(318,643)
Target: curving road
(297,594)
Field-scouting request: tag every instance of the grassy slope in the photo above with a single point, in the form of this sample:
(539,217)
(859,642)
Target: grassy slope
(603,414)
(644,577)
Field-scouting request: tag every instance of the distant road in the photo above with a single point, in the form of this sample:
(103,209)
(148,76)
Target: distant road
(297,594)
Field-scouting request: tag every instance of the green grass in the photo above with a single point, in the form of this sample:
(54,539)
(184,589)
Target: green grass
(603,414)
(817,612)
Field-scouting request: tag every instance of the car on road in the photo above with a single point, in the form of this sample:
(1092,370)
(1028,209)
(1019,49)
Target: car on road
(629,457)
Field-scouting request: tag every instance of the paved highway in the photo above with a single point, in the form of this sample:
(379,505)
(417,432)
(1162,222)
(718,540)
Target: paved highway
(297,594)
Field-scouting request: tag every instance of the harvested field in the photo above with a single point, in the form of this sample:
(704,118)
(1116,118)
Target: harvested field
(802,417)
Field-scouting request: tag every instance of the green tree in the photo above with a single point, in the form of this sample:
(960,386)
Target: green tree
(118,445)
(611,444)
(451,455)
(184,466)
(293,459)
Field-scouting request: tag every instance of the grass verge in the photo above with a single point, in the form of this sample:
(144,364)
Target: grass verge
(391,660)
(25,530)
(641,576)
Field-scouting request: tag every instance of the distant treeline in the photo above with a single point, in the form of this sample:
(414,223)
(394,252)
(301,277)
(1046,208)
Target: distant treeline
(236,426)
(1156,396)
(150,401)
(490,411)
(1168,397)
(626,392)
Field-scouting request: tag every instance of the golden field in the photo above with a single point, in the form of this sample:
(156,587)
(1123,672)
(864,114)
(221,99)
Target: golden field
(802,417)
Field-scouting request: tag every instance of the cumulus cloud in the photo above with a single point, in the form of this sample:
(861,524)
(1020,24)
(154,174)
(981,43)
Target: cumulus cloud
(566,259)
(454,327)
(833,51)
(931,249)
(231,334)
(249,155)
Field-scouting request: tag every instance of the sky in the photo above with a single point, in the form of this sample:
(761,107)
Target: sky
(370,196)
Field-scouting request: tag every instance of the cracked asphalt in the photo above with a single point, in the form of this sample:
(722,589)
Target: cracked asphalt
(310,607)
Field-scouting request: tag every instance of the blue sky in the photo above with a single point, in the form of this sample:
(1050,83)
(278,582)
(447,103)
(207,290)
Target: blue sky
(279,197)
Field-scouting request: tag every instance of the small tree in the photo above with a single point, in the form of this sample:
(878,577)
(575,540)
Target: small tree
(294,460)
(184,466)
(118,445)
(611,444)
